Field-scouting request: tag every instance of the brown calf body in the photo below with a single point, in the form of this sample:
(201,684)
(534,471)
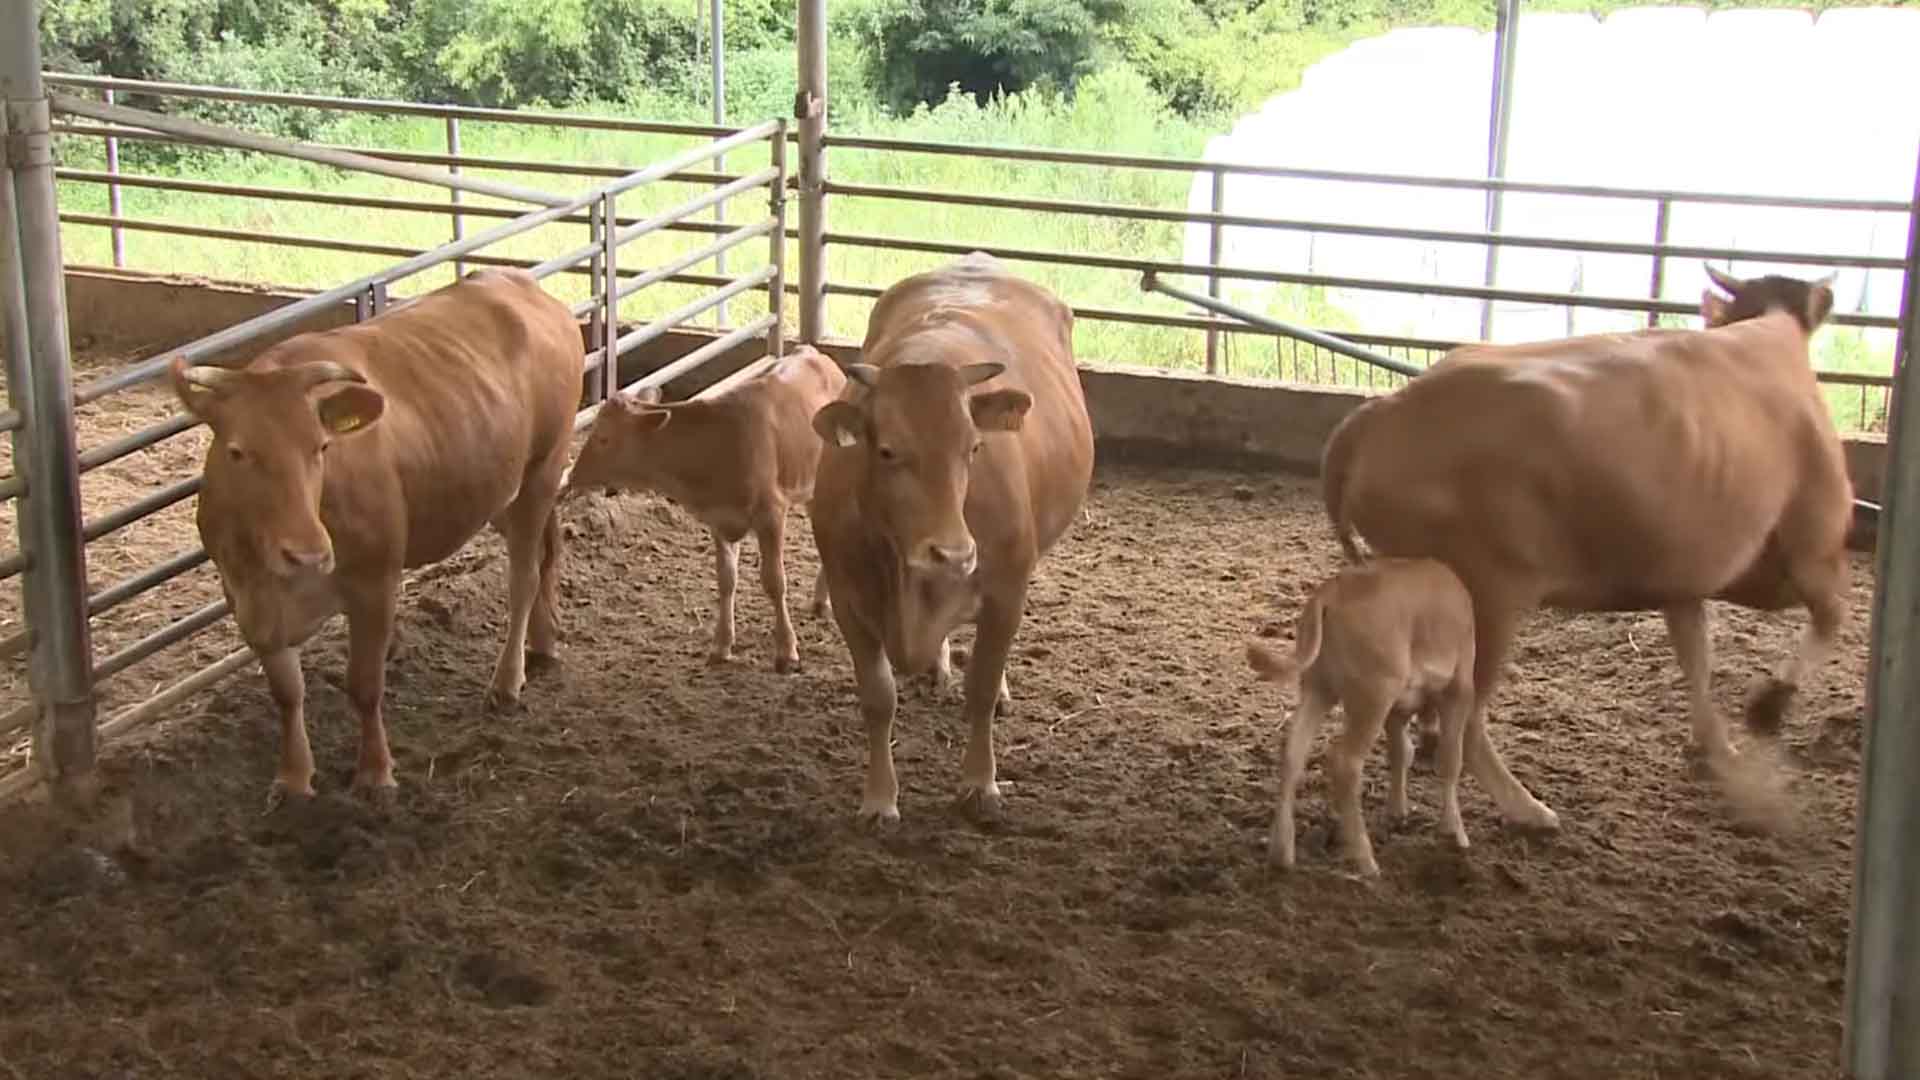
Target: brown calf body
(343,457)
(1388,639)
(1622,472)
(960,452)
(737,461)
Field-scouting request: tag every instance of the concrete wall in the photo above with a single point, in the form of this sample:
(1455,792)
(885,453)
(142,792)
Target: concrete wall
(1138,413)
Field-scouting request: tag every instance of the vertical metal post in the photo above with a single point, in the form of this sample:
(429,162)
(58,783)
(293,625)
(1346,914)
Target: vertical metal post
(597,318)
(1215,235)
(1882,1039)
(810,109)
(1662,216)
(33,299)
(118,238)
(453,194)
(1506,34)
(777,287)
(718,47)
(610,288)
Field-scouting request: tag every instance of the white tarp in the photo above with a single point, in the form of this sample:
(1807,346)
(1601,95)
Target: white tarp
(1768,102)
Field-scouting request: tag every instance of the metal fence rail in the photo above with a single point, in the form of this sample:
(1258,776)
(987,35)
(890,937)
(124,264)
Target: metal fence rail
(814,288)
(599,260)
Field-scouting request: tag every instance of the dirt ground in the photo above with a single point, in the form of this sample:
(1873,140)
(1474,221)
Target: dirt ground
(653,870)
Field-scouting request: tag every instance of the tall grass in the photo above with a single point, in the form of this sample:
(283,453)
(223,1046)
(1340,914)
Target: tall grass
(1113,110)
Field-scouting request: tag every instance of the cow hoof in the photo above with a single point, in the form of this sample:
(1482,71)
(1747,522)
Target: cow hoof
(1537,818)
(499,701)
(379,795)
(541,664)
(982,804)
(786,665)
(719,659)
(1767,706)
(879,815)
(1003,705)
(280,792)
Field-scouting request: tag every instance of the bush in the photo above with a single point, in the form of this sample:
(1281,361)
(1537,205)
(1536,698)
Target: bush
(915,50)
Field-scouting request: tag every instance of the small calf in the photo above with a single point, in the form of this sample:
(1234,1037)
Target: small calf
(1387,639)
(737,458)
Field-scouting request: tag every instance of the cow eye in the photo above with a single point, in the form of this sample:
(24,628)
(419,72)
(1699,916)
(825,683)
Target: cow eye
(887,454)
(325,445)
(236,454)
(974,450)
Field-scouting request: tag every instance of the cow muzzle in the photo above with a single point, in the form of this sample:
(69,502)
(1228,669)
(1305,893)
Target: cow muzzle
(947,560)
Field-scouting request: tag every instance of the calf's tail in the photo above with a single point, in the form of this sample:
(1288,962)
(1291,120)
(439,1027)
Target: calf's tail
(1270,666)
(547,597)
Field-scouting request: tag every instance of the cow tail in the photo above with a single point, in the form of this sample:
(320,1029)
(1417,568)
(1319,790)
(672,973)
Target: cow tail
(1272,667)
(1335,462)
(546,597)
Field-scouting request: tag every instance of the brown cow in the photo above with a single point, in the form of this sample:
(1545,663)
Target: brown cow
(959,455)
(1386,639)
(737,460)
(1653,470)
(343,457)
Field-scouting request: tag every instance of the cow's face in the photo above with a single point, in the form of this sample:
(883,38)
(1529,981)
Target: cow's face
(918,430)
(617,454)
(260,493)
(1809,302)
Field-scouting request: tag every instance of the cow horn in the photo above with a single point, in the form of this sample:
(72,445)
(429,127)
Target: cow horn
(1725,280)
(326,371)
(973,374)
(864,374)
(210,376)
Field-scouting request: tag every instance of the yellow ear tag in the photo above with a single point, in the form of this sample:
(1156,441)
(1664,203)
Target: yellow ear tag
(343,424)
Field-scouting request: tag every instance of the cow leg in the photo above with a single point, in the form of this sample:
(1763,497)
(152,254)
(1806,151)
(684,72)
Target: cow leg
(543,629)
(1399,755)
(1494,628)
(524,525)
(1454,713)
(873,678)
(771,536)
(1293,761)
(999,620)
(1366,715)
(288,685)
(370,611)
(822,599)
(726,569)
(1687,627)
(1822,584)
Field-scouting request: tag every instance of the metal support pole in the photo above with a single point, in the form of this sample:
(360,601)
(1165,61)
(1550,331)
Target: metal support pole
(610,290)
(1662,218)
(118,238)
(33,283)
(717,46)
(810,109)
(453,194)
(1215,236)
(1882,1040)
(777,242)
(598,228)
(1506,34)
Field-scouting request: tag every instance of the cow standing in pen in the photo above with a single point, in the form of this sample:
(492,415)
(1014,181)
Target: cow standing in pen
(1652,470)
(960,453)
(342,458)
(737,458)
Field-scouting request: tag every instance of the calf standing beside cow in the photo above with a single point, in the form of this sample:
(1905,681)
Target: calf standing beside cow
(1662,469)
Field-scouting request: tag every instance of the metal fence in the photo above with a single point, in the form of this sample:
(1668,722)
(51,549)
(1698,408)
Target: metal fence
(608,337)
(1859,397)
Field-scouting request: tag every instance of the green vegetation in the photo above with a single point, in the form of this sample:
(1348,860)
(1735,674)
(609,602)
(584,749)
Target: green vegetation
(1150,77)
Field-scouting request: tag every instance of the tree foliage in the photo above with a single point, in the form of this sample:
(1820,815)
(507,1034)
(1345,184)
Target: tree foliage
(916,49)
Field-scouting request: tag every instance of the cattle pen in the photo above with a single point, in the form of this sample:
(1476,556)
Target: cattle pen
(708,901)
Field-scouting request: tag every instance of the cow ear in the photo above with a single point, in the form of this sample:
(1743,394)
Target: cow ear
(840,423)
(350,408)
(1713,308)
(1819,301)
(1000,410)
(647,420)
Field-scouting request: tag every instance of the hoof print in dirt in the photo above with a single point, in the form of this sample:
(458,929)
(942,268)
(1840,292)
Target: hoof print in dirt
(76,870)
(504,981)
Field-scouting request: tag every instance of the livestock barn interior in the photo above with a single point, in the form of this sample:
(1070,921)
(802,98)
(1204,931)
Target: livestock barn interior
(653,867)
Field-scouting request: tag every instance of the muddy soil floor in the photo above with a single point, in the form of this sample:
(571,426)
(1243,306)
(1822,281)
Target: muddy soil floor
(653,869)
